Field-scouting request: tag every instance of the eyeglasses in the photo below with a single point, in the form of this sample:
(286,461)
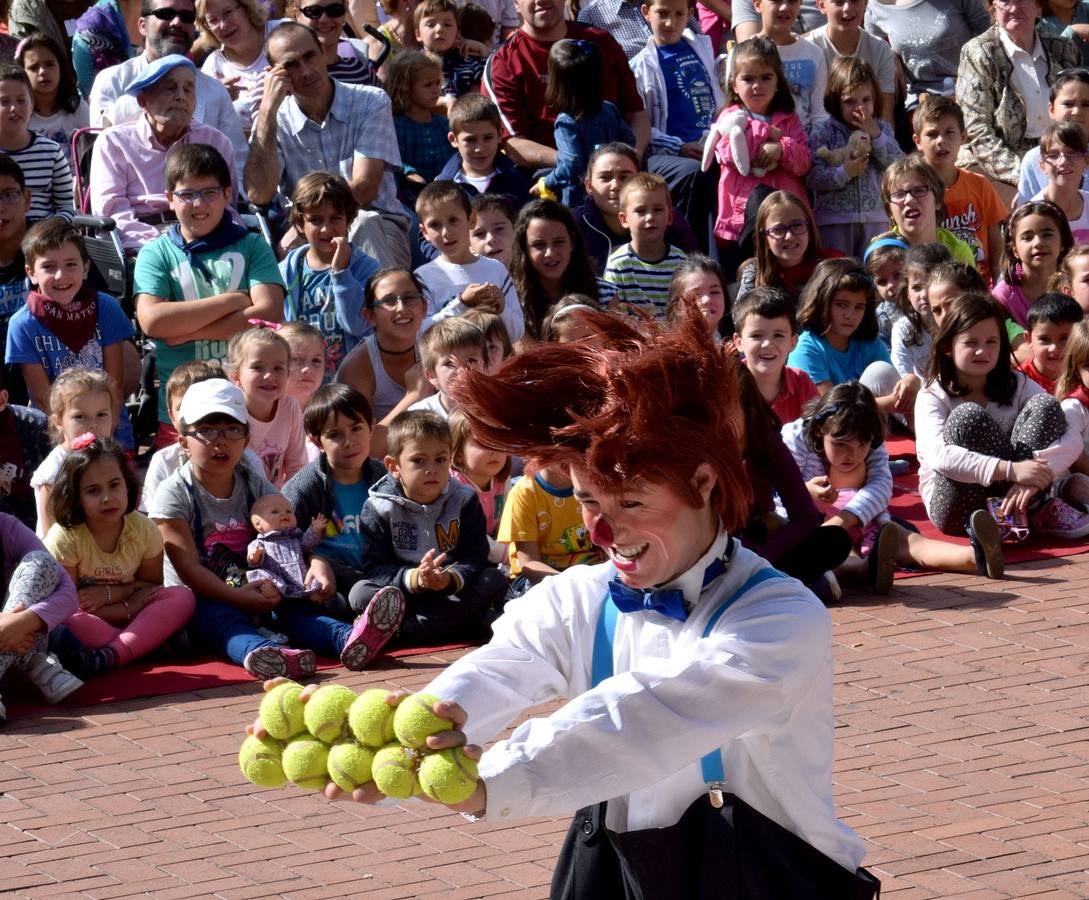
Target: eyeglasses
(214,22)
(918,192)
(209,434)
(205,195)
(9,197)
(1054,156)
(333,11)
(797,227)
(167,14)
(392,301)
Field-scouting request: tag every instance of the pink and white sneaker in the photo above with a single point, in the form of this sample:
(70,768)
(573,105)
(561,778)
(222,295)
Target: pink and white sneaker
(373,628)
(273,662)
(1058,518)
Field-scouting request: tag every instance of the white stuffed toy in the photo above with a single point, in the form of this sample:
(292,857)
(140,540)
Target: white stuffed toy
(732,127)
(853,156)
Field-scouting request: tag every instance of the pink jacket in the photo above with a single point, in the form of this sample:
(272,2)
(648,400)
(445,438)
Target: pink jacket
(734,188)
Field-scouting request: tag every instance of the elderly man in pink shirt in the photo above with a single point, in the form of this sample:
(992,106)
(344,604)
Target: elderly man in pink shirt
(129,160)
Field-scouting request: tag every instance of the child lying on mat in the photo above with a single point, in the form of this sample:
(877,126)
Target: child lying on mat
(838,445)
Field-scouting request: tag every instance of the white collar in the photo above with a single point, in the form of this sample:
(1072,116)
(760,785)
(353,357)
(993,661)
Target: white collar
(690,582)
(1011,48)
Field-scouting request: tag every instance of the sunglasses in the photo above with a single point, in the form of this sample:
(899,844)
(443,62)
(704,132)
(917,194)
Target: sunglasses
(166,14)
(333,11)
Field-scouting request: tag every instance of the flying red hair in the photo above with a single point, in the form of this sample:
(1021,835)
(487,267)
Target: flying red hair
(625,405)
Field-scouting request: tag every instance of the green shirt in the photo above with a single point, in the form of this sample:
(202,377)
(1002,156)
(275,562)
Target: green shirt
(163,270)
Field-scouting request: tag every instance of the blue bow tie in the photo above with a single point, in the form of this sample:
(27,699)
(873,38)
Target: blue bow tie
(669,602)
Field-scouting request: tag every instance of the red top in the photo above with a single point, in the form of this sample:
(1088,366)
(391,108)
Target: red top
(516,75)
(797,390)
(1029,368)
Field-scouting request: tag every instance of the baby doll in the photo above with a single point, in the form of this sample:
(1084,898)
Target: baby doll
(277,553)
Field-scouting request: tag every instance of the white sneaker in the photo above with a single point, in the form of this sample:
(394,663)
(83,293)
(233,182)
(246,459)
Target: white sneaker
(51,678)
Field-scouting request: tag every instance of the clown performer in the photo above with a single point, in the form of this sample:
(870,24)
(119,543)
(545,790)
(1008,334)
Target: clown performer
(696,740)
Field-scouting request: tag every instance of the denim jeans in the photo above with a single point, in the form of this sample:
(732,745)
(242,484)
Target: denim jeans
(232,632)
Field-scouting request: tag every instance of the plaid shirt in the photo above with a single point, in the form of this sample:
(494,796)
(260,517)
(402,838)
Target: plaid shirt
(425,149)
(359,123)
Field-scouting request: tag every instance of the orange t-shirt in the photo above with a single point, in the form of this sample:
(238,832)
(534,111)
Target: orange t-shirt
(971,207)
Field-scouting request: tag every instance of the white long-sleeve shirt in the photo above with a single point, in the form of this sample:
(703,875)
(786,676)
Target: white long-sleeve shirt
(759,687)
(933,406)
(1077,420)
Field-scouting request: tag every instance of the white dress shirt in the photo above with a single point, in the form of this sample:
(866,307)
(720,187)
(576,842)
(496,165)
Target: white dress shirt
(759,687)
(1029,79)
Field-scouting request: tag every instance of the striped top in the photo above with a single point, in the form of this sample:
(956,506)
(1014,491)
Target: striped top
(48,176)
(642,284)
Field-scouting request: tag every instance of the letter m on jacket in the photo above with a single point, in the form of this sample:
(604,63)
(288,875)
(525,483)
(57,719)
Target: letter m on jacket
(447,536)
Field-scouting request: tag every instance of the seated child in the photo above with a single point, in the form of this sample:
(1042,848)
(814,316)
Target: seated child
(427,535)
(276,554)
(1073,390)
(66,322)
(258,361)
(202,511)
(436,24)
(24,444)
(13,283)
(124,610)
(452,345)
(563,325)
(1037,237)
(414,84)
(497,342)
(44,162)
(307,366)
(477,166)
(1063,151)
(584,118)
(492,231)
(338,422)
(1073,276)
(1068,101)
(1051,318)
(542,524)
(166,461)
(642,270)
(700,280)
(457,279)
(973,210)
(765,331)
(598,218)
(325,276)
(839,448)
(884,260)
(40,596)
(204,279)
(486,471)
(81,401)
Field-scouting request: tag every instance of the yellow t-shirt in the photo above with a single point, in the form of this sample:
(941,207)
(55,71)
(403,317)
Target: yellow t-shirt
(536,511)
(75,548)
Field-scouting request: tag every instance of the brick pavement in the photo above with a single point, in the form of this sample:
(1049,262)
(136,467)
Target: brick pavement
(962,743)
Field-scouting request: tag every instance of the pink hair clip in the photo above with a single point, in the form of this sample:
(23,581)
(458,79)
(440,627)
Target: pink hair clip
(84,440)
(264,323)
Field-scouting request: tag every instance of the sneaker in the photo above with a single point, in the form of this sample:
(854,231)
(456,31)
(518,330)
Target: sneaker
(51,678)
(373,628)
(1059,519)
(986,538)
(96,661)
(882,559)
(272,662)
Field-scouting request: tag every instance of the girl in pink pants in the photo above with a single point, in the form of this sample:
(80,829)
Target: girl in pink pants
(115,557)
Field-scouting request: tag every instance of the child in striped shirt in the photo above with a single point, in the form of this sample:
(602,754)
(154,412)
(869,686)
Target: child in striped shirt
(642,270)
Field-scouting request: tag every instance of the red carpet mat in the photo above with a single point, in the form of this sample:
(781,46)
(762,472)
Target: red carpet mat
(907,504)
(161,678)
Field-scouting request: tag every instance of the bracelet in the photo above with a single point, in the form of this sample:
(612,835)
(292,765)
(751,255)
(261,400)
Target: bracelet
(1009,470)
(109,599)
(128,612)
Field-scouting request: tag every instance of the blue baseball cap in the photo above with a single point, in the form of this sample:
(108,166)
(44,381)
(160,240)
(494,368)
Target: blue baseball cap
(158,69)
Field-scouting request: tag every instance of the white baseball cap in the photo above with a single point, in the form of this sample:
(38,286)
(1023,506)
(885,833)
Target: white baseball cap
(214,396)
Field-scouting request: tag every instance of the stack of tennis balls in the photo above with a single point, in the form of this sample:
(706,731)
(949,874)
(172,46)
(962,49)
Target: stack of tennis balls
(351,740)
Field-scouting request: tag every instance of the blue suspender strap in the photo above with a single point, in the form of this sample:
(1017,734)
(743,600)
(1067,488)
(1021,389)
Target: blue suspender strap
(601,661)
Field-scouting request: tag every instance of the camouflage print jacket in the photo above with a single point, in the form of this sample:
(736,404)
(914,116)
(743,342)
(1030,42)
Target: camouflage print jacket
(994,113)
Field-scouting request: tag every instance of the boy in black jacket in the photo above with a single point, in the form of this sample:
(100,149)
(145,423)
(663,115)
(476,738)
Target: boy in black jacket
(338,420)
(426,534)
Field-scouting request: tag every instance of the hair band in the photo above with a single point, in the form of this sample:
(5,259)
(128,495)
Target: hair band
(885,242)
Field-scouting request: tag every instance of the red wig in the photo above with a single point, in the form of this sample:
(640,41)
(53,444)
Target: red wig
(625,405)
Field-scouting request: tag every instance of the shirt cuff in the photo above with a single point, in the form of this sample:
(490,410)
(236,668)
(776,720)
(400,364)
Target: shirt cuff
(507,784)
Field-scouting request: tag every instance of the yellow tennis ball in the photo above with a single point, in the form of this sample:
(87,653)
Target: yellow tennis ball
(448,776)
(371,718)
(394,771)
(260,761)
(349,765)
(305,759)
(326,711)
(281,712)
(414,722)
